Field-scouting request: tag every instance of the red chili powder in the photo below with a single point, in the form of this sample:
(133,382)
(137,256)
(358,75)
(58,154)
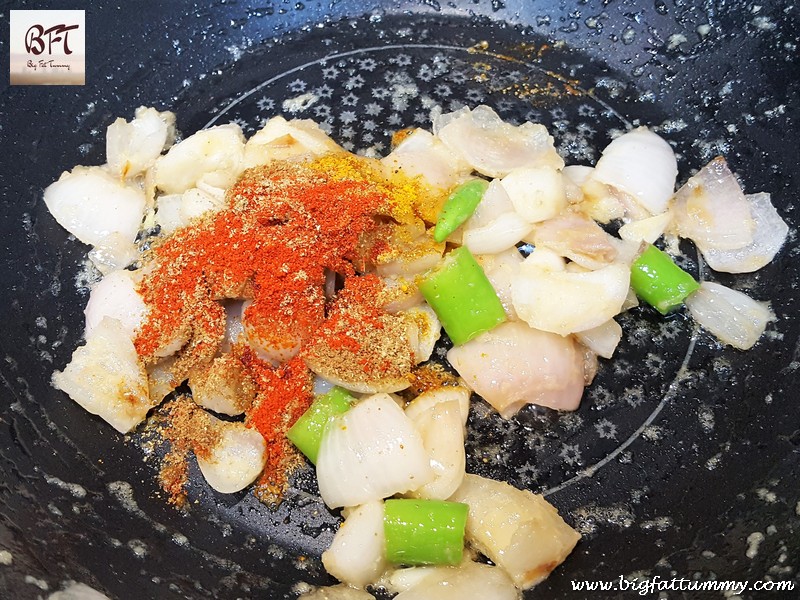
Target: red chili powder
(284,393)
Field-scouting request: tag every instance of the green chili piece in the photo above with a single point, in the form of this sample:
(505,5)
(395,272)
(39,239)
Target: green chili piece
(459,207)
(307,431)
(661,283)
(424,532)
(462,296)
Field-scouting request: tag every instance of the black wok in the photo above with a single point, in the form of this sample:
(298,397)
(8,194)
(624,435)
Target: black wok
(682,449)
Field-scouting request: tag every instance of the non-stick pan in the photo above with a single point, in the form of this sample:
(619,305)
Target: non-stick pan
(682,461)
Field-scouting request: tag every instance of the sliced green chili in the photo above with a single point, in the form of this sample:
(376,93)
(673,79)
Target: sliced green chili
(307,431)
(462,296)
(661,283)
(424,532)
(459,207)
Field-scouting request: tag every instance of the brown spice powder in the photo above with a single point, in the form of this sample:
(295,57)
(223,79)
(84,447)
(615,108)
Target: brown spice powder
(187,428)
(430,376)
(360,343)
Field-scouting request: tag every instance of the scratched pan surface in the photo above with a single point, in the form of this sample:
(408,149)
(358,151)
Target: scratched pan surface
(683,458)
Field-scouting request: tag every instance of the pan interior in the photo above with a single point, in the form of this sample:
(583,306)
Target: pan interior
(661,406)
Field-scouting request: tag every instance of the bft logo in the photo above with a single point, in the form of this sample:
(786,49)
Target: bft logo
(48,47)
(35,38)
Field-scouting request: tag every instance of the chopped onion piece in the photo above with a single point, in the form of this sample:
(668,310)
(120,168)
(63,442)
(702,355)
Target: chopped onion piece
(132,148)
(237,458)
(417,257)
(216,192)
(91,203)
(631,301)
(171,345)
(493,147)
(519,531)
(115,296)
(357,554)
(424,330)
(420,154)
(603,339)
(168,213)
(543,258)
(399,294)
(564,302)
(494,203)
(107,377)
(578,174)
(113,253)
(501,270)
(513,365)
(503,233)
(627,252)
(272,344)
(641,164)
(443,436)
(280,139)
(732,317)
(371,452)
(445,393)
(577,238)
(326,361)
(646,230)
(222,386)
(711,209)
(401,579)
(537,193)
(768,236)
(468,580)
(379,384)
(572,191)
(322,386)
(494,226)
(159,379)
(214,155)
(602,203)
(337,592)
(195,203)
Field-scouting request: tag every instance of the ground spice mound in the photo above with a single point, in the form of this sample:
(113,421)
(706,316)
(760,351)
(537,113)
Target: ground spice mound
(359,342)
(224,378)
(284,393)
(285,229)
(283,226)
(186,428)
